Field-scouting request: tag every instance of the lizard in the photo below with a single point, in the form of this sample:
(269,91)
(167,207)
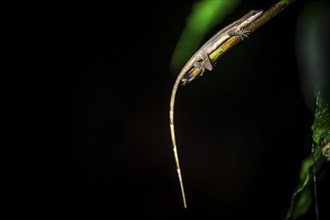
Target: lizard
(197,64)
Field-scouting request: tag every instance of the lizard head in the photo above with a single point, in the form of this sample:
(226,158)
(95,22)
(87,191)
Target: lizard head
(251,16)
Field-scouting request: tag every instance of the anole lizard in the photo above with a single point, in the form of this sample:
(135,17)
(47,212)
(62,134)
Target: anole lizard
(200,60)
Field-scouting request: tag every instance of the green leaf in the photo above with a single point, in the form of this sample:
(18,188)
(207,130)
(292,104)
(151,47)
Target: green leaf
(302,197)
(303,203)
(204,16)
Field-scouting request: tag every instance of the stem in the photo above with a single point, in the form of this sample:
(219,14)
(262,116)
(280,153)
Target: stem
(267,16)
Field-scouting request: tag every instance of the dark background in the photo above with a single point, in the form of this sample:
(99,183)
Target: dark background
(242,129)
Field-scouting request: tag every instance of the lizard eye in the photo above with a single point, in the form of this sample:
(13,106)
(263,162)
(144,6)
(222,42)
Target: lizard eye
(254,12)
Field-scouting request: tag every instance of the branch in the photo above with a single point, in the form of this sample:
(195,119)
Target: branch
(231,42)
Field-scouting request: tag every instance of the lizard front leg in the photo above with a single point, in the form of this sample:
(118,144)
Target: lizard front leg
(239,32)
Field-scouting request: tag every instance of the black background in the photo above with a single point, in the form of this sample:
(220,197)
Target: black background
(242,129)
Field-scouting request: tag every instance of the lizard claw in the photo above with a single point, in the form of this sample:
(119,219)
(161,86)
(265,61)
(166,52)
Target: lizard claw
(243,34)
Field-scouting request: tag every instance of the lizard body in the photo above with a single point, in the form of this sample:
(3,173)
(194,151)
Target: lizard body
(202,61)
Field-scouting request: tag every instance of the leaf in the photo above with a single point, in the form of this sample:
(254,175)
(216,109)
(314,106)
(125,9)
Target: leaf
(203,17)
(302,198)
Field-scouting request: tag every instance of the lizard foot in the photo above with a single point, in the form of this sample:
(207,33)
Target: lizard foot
(197,70)
(241,33)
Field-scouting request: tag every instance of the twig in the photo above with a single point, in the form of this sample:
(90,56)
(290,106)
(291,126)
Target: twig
(267,16)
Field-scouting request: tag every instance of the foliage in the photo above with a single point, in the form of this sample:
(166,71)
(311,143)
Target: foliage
(302,196)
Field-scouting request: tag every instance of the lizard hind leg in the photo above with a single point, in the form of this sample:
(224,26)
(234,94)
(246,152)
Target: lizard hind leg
(207,64)
(200,66)
(193,73)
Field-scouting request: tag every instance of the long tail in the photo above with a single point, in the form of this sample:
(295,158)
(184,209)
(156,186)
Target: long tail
(175,151)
